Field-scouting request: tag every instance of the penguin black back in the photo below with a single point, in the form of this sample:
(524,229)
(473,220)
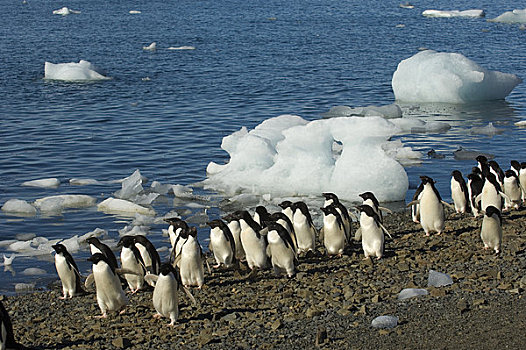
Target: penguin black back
(5,322)
(104,249)
(154,255)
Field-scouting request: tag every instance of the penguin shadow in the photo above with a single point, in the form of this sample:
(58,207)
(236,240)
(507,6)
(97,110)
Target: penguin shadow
(222,313)
(69,344)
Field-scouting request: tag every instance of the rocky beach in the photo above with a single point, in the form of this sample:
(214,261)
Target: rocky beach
(330,303)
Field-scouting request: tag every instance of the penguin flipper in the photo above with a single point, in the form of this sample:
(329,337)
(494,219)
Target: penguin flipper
(89,280)
(189,295)
(416,201)
(478,198)
(385,230)
(122,271)
(448,205)
(387,210)
(358,234)
(505,196)
(151,279)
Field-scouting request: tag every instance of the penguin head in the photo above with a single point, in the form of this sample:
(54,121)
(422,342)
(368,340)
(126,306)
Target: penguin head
(177,223)
(59,248)
(364,208)
(93,240)
(126,241)
(285,204)
(329,196)
(492,211)
(369,195)
(426,180)
(98,257)
(481,159)
(523,165)
(510,173)
(166,269)
(330,209)
(515,164)
(494,165)
(214,223)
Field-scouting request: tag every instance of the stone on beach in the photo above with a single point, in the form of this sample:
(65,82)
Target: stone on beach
(438,279)
(385,322)
(411,293)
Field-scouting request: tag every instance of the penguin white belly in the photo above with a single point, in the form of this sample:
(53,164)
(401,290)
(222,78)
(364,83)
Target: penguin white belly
(491,233)
(221,247)
(255,249)
(282,256)
(305,234)
(110,295)
(490,197)
(67,276)
(522,181)
(191,265)
(431,214)
(372,238)
(94,249)
(333,236)
(145,256)
(178,247)
(459,199)
(165,300)
(513,191)
(173,235)
(236,232)
(128,262)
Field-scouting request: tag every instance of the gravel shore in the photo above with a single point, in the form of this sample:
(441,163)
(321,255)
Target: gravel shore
(330,303)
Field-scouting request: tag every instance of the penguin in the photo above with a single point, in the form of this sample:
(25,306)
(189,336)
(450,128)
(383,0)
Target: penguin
(68,272)
(475,184)
(233,224)
(415,208)
(261,215)
(176,226)
(96,246)
(372,232)
(491,193)
(459,192)
(370,199)
(431,207)
(7,336)
(222,243)
(334,233)
(515,166)
(165,298)
(254,243)
(287,208)
(497,171)
(522,180)
(491,232)
(283,220)
(281,250)
(150,256)
(110,295)
(512,189)
(482,164)
(304,228)
(331,198)
(191,267)
(131,260)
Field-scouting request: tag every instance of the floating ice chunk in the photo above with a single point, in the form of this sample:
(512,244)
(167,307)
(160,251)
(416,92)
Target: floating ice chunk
(414,125)
(82,71)
(24,287)
(135,12)
(68,200)
(488,130)
(521,124)
(431,76)
(438,279)
(98,232)
(19,206)
(454,13)
(8,261)
(33,271)
(388,111)
(133,230)
(515,16)
(385,322)
(181,48)
(122,206)
(158,187)
(131,186)
(52,205)
(72,244)
(407,5)
(405,155)
(198,218)
(146,199)
(182,191)
(151,47)
(289,156)
(46,183)
(464,154)
(411,292)
(21,246)
(83,182)
(65,11)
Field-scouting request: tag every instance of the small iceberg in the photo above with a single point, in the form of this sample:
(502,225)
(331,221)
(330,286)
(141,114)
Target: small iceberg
(181,48)
(19,206)
(82,71)
(407,5)
(438,279)
(385,322)
(122,206)
(65,11)
(83,182)
(411,293)
(488,130)
(453,13)
(151,47)
(44,183)
(414,125)
(135,12)
(515,16)
(66,201)
(465,154)
(431,76)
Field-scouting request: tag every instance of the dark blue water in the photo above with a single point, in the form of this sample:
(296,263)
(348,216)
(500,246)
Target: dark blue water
(253,60)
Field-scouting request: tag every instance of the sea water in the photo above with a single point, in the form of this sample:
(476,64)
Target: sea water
(238,63)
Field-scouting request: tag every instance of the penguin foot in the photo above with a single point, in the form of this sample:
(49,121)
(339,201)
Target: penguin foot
(62,298)
(427,234)
(157,316)
(122,312)
(216,266)
(104,315)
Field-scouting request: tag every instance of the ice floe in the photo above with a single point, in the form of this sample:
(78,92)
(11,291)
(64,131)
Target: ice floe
(84,182)
(465,154)
(414,125)
(438,279)
(33,271)
(411,293)
(431,76)
(387,111)
(488,130)
(181,48)
(52,182)
(121,206)
(454,13)
(65,11)
(290,156)
(515,16)
(151,47)
(82,71)
(134,12)
(521,124)
(19,206)
(65,201)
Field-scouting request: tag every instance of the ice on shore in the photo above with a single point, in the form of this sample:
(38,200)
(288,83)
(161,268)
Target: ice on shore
(387,111)
(65,11)
(33,271)
(52,182)
(454,13)
(515,16)
(19,206)
(24,287)
(411,293)
(121,206)
(385,322)
(82,71)
(65,201)
(431,76)
(438,279)
(290,156)
(488,130)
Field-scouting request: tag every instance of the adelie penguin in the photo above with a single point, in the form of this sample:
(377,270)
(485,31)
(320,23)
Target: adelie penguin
(459,192)
(175,228)
(372,232)
(7,337)
(253,241)
(304,228)
(491,231)
(491,193)
(68,272)
(281,249)
(331,198)
(512,189)
(287,208)
(131,260)
(235,228)
(475,184)
(222,243)
(370,199)
(334,234)
(96,246)
(150,256)
(191,264)
(261,215)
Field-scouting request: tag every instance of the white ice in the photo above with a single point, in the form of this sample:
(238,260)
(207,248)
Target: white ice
(431,76)
(160,188)
(98,232)
(24,287)
(134,230)
(33,271)
(438,279)
(52,182)
(515,16)
(131,186)
(82,71)
(36,247)
(8,261)
(151,47)
(289,156)
(454,13)
(181,48)
(411,292)
(83,182)
(521,124)
(121,206)
(385,322)
(488,130)
(387,111)
(19,206)
(134,12)
(65,11)
(415,125)
(66,201)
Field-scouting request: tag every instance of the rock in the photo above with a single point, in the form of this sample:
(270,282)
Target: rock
(312,311)
(321,336)
(522,282)
(385,322)
(121,343)
(438,279)
(462,306)
(411,292)
(276,325)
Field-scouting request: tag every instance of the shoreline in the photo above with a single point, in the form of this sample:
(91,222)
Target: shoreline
(330,302)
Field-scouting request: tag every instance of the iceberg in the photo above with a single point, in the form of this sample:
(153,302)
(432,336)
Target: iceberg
(66,201)
(515,16)
(45,183)
(431,76)
(65,11)
(185,47)
(453,13)
(19,206)
(289,156)
(82,71)
(122,206)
